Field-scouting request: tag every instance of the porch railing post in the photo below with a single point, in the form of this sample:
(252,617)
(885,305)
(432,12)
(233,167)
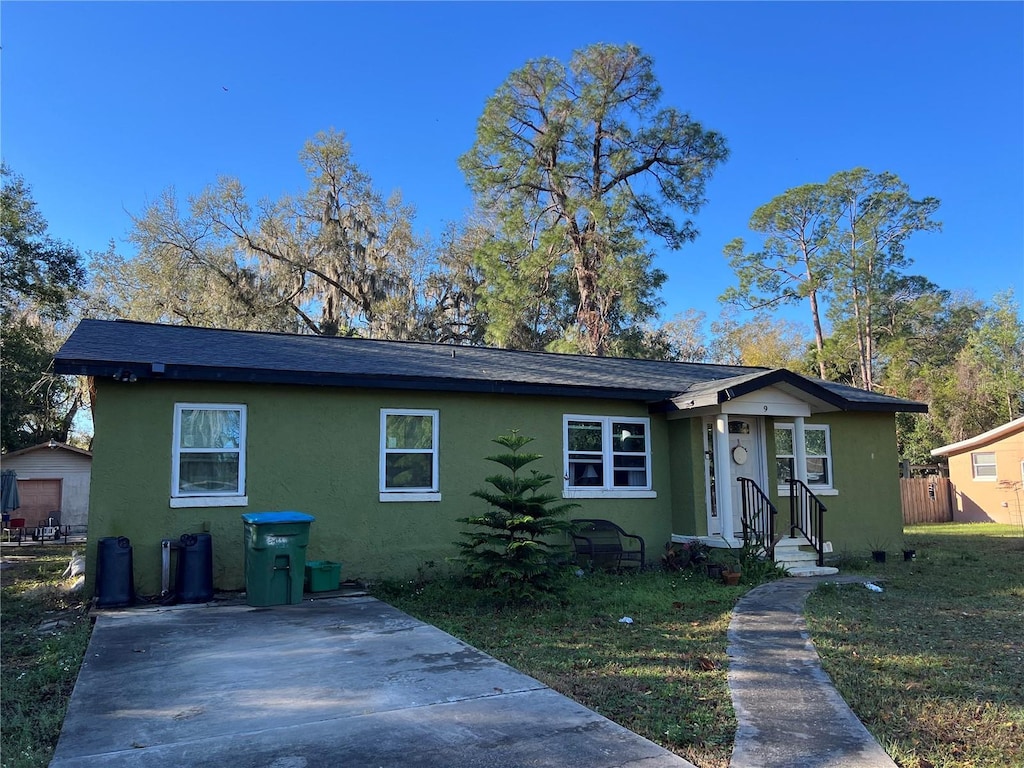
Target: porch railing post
(758,516)
(793,522)
(819,535)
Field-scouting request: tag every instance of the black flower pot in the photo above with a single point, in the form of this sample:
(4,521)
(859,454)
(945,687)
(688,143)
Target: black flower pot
(878,556)
(909,554)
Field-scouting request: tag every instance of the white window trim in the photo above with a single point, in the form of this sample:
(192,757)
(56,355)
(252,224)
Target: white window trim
(239,498)
(432,493)
(821,489)
(607,460)
(974,467)
(598,493)
(185,502)
(409,496)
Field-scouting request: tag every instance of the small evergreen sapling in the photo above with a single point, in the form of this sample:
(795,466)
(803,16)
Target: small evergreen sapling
(512,555)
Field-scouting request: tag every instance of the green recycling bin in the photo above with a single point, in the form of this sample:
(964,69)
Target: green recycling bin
(275,557)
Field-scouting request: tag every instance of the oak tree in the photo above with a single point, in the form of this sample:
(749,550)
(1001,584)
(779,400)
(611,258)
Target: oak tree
(338,258)
(39,279)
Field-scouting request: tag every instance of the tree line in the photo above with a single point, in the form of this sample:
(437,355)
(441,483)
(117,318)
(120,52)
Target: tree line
(578,171)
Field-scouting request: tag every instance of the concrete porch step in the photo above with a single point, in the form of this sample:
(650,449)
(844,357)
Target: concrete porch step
(797,556)
(813,570)
(795,542)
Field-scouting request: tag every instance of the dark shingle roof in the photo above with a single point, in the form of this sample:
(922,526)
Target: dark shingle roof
(123,349)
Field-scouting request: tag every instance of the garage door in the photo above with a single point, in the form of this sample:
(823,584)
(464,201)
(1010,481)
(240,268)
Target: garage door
(38,499)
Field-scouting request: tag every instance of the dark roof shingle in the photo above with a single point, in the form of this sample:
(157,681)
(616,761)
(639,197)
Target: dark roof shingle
(145,350)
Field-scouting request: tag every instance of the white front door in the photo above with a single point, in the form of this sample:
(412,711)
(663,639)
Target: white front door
(746,459)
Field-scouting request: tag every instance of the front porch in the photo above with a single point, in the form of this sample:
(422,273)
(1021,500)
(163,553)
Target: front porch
(801,544)
(759,440)
(796,554)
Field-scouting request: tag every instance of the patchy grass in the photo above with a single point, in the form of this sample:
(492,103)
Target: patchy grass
(934,665)
(43,632)
(662,676)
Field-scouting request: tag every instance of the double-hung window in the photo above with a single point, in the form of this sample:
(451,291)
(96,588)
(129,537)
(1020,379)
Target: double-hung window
(408,455)
(983,465)
(208,464)
(817,452)
(607,456)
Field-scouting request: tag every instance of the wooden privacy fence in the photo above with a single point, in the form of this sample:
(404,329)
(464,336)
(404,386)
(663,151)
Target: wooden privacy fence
(926,500)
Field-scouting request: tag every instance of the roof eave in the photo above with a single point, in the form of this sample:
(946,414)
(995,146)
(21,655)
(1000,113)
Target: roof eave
(46,446)
(800,386)
(985,437)
(132,372)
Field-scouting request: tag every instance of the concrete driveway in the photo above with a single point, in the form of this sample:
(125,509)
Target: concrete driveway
(346,681)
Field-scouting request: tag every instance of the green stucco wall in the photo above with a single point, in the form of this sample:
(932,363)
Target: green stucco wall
(315,450)
(686,443)
(865,464)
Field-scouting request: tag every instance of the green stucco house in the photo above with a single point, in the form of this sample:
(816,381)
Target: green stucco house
(383,442)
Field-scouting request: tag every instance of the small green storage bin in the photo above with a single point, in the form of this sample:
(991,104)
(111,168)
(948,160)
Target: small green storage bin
(322,576)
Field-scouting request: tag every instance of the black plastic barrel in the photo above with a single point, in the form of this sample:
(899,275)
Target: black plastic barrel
(115,576)
(195,568)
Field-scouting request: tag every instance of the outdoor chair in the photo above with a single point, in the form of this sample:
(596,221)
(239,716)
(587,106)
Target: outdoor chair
(603,544)
(49,528)
(14,530)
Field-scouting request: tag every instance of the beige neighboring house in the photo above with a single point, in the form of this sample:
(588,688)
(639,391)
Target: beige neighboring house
(51,477)
(987,473)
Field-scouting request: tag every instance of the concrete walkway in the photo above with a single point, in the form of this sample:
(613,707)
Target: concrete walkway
(789,712)
(352,681)
(346,681)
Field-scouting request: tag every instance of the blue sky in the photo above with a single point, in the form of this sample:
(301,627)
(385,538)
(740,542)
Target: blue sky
(105,105)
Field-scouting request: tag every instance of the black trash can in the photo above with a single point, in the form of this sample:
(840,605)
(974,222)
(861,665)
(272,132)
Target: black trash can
(195,568)
(115,575)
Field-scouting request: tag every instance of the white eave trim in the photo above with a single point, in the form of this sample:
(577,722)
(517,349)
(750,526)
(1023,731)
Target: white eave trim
(771,400)
(982,439)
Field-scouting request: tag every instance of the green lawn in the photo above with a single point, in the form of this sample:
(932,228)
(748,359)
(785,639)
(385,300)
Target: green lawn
(663,675)
(934,665)
(43,636)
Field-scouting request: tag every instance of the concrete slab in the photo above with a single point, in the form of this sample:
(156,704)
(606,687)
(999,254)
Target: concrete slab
(330,682)
(788,712)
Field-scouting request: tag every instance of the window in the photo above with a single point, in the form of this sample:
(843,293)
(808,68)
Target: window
(208,466)
(607,455)
(983,465)
(817,451)
(408,455)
